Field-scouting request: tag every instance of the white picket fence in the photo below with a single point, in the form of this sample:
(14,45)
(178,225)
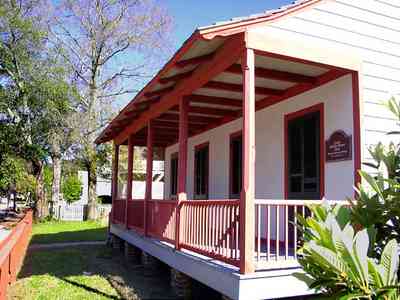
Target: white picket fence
(70,212)
(77,212)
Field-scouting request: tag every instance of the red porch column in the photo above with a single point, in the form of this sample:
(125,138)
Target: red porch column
(114,186)
(247,194)
(149,173)
(129,177)
(182,162)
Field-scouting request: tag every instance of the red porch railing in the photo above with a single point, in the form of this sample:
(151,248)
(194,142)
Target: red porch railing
(135,214)
(12,252)
(211,227)
(277,237)
(119,211)
(161,219)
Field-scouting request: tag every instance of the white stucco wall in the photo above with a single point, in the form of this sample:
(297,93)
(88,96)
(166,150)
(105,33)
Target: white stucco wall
(339,176)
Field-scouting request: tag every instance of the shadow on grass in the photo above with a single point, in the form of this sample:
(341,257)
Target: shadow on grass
(89,267)
(95,234)
(89,289)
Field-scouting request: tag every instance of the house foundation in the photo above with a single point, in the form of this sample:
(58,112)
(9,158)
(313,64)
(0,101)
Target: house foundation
(181,284)
(116,243)
(132,254)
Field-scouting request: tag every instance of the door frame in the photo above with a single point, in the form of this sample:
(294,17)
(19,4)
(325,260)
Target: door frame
(288,117)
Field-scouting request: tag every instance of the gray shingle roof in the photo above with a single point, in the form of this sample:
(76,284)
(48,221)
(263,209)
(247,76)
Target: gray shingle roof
(266,13)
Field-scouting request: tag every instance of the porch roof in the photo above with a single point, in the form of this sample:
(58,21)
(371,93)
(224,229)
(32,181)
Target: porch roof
(207,70)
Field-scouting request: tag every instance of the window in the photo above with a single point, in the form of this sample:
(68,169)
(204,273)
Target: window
(122,179)
(304,133)
(235,180)
(201,172)
(174,174)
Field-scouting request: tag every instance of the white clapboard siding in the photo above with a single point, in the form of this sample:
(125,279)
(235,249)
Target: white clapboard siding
(372,29)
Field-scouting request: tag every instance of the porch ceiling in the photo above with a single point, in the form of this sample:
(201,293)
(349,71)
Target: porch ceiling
(207,70)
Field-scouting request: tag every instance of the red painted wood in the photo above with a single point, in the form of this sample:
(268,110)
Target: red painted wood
(315,108)
(196,120)
(209,228)
(161,219)
(225,56)
(176,77)
(135,214)
(114,185)
(231,87)
(119,211)
(356,127)
(248,187)
(194,61)
(209,111)
(130,175)
(275,74)
(182,162)
(149,173)
(160,92)
(215,100)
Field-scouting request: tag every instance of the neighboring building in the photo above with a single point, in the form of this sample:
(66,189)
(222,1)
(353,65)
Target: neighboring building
(257,117)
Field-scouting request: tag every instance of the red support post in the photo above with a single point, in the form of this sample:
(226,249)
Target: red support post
(149,173)
(246,206)
(114,186)
(182,162)
(129,177)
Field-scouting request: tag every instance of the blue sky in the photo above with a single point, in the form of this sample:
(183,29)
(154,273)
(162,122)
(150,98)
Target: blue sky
(190,14)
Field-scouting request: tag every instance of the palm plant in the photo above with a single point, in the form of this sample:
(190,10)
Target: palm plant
(335,257)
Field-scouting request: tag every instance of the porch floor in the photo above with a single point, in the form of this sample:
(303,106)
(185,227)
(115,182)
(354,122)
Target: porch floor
(268,282)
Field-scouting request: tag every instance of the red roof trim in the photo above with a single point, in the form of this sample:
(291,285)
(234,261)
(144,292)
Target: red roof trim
(206,33)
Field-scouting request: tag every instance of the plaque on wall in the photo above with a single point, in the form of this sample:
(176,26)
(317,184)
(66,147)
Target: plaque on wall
(338,147)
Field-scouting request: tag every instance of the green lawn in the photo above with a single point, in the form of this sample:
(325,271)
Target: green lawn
(62,274)
(68,231)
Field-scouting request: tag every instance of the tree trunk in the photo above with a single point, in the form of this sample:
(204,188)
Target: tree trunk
(55,188)
(92,182)
(42,205)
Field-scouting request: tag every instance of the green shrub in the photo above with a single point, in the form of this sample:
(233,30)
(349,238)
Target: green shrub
(71,188)
(335,258)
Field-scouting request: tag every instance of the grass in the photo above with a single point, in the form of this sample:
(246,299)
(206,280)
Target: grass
(61,274)
(68,231)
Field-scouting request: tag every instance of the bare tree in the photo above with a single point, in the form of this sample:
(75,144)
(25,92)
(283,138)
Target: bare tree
(108,44)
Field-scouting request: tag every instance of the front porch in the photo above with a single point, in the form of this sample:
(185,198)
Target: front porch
(218,210)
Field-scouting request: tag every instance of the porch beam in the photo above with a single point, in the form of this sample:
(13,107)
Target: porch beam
(215,100)
(209,111)
(246,206)
(169,117)
(194,61)
(114,185)
(149,173)
(231,87)
(224,57)
(130,176)
(160,92)
(274,74)
(176,77)
(182,163)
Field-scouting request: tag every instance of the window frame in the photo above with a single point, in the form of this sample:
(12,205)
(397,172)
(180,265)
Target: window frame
(174,156)
(207,174)
(234,136)
(298,114)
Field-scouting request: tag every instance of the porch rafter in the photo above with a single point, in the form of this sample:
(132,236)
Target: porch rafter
(224,57)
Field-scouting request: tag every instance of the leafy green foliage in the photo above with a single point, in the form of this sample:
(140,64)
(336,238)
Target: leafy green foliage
(71,188)
(14,175)
(336,260)
(378,199)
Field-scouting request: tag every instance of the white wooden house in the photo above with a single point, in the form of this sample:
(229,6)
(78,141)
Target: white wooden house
(257,117)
